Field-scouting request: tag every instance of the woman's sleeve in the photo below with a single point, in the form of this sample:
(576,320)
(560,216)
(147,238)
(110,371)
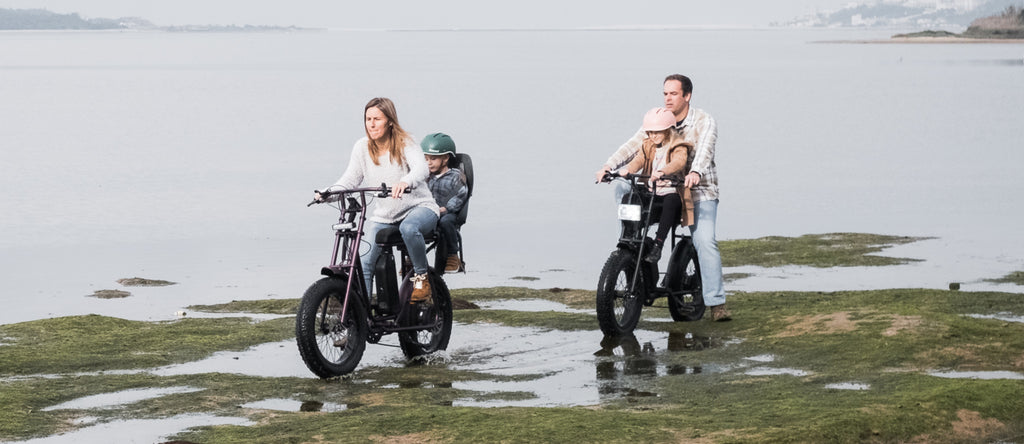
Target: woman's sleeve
(418,170)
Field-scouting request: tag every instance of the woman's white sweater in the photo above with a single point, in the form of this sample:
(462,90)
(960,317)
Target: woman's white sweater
(362,172)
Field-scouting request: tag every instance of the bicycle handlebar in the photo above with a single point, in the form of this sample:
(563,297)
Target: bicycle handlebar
(631,176)
(382,191)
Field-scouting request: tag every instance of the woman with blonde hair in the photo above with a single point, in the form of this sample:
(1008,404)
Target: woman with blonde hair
(389,155)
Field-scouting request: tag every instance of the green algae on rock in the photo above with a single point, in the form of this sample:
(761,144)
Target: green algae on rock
(814,250)
(1017,277)
(110,294)
(143,282)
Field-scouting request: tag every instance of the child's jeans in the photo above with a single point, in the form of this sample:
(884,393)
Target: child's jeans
(449,233)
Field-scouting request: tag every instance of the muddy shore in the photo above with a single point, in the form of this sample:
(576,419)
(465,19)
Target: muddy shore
(528,365)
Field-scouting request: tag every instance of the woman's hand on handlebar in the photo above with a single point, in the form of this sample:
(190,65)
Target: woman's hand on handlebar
(398,189)
(318,198)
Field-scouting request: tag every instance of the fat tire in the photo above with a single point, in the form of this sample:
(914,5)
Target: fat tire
(691,309)
(318,328)
(423,342)
(618,312)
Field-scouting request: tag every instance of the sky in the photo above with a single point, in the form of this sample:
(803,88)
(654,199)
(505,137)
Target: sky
(441,14)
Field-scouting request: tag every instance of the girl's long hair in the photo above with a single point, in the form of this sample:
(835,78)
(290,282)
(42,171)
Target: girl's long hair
(394,139)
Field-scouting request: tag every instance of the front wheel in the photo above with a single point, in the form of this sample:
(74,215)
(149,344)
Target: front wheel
(331,345)
(688,306)
(618,308)
(438,315)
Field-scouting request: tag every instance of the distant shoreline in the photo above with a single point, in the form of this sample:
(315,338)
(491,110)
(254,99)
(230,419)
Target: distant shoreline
(926,40)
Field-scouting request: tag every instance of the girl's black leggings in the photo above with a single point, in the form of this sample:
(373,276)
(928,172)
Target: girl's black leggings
(671,211)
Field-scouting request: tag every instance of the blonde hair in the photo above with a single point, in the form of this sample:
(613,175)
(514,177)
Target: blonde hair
(395,138)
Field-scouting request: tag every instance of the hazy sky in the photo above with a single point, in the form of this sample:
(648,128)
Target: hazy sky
(441,13)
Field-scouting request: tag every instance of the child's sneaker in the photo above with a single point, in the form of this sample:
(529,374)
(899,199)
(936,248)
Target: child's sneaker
(420,288)
(453,263)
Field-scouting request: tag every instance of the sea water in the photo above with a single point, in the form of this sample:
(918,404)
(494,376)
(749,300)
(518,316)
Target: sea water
(190,157)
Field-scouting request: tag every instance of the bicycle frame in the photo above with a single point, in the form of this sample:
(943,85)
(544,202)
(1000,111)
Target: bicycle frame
(348,234)
(346,261)
(333,325)
(635,237)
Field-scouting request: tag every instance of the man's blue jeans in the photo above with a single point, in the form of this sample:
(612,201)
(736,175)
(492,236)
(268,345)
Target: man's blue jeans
(705,214)
(419,222)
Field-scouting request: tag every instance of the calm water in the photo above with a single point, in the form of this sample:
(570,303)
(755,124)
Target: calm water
(190,157)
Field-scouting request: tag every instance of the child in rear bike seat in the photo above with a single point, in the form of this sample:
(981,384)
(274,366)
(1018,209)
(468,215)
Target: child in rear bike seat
(664,156)
(448,185)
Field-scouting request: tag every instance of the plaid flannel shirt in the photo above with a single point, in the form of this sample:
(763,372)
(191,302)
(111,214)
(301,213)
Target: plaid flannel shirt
(449,190)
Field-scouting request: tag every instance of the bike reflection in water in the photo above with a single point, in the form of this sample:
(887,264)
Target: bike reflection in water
(627,368)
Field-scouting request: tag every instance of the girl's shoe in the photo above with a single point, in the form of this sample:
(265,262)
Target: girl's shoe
(654,255)
(420,288)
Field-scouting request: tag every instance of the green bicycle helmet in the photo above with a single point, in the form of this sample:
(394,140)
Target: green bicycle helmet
(437,144)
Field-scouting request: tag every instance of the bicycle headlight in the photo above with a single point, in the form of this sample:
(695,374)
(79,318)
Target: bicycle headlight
(629,212)
(344,226)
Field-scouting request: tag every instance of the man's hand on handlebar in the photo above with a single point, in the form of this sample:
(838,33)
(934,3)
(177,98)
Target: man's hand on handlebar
(692,178)
(602,173)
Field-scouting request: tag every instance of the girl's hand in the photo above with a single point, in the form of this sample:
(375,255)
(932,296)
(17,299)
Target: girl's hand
(657,175)
(397,190)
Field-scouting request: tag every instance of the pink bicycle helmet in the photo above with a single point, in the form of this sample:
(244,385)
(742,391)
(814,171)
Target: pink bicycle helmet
(659,119)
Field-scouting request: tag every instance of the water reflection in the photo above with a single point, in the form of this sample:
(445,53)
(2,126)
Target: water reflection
(625,367)
(686,341)
(616,375)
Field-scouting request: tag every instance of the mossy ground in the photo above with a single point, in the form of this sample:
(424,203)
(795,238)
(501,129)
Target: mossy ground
(1017,277)
(886,340)
(814,250)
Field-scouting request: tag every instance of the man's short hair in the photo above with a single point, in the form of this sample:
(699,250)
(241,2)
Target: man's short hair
(685,81)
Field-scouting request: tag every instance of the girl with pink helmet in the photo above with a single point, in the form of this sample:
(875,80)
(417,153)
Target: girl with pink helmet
(664,156)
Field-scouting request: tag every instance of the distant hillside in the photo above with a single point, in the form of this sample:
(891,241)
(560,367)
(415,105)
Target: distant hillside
(1008,25)
(24,19)
(937,14)
(41,19)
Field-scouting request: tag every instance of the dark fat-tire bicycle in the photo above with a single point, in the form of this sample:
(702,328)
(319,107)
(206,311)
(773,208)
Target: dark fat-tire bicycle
(337,317)
(628,282)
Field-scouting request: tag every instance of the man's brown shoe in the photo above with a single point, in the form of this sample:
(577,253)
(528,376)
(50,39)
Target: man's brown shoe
(453,264)
(420,288)
(720,314)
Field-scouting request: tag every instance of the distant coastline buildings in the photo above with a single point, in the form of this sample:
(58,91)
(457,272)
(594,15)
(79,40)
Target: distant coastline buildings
(941,14)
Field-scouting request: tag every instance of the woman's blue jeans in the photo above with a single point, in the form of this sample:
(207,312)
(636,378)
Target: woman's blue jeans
(419,222)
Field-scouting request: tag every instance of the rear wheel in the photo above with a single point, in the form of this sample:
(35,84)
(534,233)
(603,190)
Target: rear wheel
(331,345)
(689,306)
(438,314)
(618,308)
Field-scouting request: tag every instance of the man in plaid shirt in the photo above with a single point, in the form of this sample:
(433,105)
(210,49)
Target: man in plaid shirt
(697,127)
